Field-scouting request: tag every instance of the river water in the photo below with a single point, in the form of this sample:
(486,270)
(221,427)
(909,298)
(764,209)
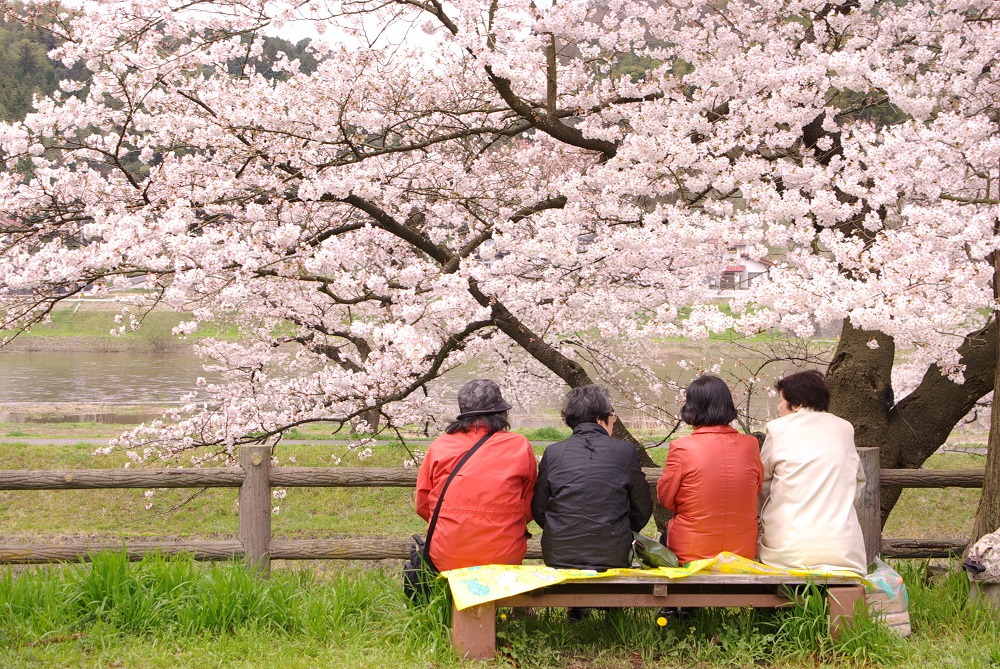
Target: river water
(101,387)
(91,386)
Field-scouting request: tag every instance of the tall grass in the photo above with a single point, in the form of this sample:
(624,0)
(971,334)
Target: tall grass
(724,637)
(177,597)
(174,612)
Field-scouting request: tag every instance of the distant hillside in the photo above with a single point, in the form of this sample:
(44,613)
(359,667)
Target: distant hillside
(25,68)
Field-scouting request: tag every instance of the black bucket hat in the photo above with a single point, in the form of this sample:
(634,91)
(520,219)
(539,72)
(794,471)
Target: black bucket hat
(479,397)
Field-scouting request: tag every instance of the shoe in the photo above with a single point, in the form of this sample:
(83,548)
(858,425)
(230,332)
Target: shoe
(523,613)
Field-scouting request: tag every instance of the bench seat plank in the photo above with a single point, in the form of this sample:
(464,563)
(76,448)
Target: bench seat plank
(474,628)
(597,599)
(716,578)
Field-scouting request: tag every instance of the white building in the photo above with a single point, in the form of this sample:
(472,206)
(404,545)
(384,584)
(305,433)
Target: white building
(740,270)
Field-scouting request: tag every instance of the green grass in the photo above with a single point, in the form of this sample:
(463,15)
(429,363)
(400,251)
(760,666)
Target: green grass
(172,612)
(164,612)
(41,515)
(314,432)
(937,513)
(86,430)
(91,322)
(306,512)
(40,429)
(547,433)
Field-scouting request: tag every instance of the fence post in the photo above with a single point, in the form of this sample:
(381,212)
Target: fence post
(255,507)
(869,505)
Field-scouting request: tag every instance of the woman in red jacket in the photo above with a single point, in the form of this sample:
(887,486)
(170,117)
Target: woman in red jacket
(484,516)
(711,479)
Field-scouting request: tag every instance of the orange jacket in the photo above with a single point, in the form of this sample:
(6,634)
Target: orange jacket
(488,505)
(711,481)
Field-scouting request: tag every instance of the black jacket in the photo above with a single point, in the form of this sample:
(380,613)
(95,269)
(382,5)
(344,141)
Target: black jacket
(591,494)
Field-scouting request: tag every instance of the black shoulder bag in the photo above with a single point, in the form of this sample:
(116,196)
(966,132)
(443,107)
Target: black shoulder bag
(419,571)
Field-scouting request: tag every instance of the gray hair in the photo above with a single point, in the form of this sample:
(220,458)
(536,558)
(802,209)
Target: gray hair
(587,404)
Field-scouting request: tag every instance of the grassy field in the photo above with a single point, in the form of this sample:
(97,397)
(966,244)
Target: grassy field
(31,516)
(86,325)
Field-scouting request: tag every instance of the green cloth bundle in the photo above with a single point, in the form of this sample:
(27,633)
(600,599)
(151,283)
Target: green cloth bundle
(651,552)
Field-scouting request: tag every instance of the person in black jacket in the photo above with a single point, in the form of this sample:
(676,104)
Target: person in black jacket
(591,493)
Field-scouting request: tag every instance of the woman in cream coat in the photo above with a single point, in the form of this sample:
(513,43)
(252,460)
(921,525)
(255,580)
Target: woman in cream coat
(812,477)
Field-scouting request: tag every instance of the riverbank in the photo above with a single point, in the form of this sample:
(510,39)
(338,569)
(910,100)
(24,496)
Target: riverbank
(86,325)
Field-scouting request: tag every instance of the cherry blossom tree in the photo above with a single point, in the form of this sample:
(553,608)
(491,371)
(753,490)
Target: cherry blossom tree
(543,187)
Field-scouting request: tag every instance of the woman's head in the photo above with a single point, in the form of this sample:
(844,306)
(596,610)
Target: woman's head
(708,401)
(481,407)
(587,404)
(804,390)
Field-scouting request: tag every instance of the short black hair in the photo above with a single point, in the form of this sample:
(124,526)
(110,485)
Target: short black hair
(492,422)
(708,401)
(805,389)
(587,404)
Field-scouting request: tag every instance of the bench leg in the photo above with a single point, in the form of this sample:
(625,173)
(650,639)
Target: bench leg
(474,631)
(843,600)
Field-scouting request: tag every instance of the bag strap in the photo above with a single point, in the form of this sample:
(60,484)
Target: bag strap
(444,489)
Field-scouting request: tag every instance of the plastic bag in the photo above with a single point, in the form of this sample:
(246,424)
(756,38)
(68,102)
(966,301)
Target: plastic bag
(887,598)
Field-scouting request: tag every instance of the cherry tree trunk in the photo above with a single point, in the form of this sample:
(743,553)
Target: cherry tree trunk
(988,513)
(910,430)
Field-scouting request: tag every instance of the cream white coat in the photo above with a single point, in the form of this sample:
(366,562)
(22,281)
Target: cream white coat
(812,478)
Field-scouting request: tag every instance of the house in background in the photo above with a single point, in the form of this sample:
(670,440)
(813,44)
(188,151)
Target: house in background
(740,270)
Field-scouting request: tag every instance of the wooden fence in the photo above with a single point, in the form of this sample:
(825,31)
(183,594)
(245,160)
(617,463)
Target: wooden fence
(254,477)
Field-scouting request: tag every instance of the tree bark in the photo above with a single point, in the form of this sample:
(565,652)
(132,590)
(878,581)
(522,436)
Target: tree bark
(860,381)
(988,512)
(911,430)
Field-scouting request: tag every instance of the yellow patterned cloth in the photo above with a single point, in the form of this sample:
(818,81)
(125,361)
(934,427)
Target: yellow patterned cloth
(477,585)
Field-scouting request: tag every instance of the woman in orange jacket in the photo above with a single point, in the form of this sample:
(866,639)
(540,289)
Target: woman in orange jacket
(711,479)
(486,510)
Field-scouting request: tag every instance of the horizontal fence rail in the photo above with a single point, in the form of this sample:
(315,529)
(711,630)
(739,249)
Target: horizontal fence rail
(923,478)
(922,548)
(357,477)
(94,479)
(255,477)
(280,549)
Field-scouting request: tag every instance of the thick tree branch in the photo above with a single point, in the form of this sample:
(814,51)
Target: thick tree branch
(550,125)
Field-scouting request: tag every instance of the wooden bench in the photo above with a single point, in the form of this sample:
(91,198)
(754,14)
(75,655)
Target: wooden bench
(473,632)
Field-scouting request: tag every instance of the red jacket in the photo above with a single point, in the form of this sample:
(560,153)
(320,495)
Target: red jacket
(488,505)
(711,481)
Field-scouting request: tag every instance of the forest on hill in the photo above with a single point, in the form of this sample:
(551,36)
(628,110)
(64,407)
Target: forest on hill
(26,69)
